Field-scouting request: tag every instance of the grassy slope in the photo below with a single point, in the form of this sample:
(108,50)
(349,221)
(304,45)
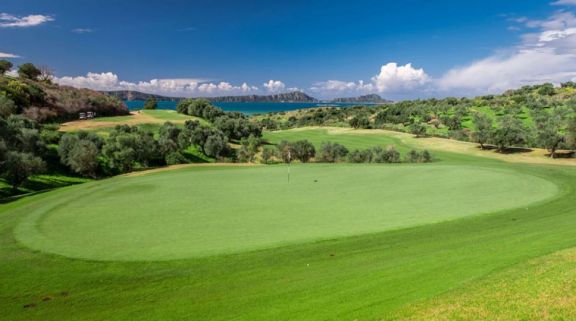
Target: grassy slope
(540,289)
(364,278)
(226,212)
(352,141)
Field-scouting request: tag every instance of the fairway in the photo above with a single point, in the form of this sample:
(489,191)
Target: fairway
(206,211)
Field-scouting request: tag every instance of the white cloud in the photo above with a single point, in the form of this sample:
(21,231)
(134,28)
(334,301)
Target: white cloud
(274,85)
(11,21)
(173,87)
(97,81)
(8,55)
(546,55)
(392,80)
(564,3)
(82,30)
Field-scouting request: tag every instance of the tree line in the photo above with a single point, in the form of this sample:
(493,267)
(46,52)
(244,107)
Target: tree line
(332,152)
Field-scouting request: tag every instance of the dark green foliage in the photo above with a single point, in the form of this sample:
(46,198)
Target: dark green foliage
(267,154)
(303,151)
(483,127)
(248,148)
(332,152)
(571,133)
(50,134)
(285,151)
(216,145)
(199,108)
(175,158)
(151,104)
(29,71)
(7,106)
(360,122)
(83,158)
(510,132)
(418,129)
(236,128)
(388,155)
(18,167)
(5,66)
(549,132)
(268,124)
(360,156)
(546,90)
(415,156)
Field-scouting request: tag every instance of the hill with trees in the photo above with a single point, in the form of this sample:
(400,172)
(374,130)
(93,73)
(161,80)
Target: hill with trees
(34,95)
(540,116)
(372,98)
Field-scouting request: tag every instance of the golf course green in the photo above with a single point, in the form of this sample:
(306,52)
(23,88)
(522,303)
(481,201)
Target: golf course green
(336,242)
(171,215)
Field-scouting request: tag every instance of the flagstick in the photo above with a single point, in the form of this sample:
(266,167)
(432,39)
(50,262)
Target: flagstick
(289,161)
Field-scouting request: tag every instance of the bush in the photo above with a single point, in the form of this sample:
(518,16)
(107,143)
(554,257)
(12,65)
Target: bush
(7,107)
(29,71)
(151,104)
(175,158)
(267,154)
(360,156)
(389,155)
(332,152)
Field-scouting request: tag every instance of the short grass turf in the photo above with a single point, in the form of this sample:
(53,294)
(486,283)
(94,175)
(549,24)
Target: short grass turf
(376,276)
(198,212)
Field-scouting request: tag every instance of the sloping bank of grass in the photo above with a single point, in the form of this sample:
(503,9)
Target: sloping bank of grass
(540,289)
(366,277)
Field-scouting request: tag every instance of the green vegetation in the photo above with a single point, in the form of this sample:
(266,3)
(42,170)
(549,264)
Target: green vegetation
(364,277)
(150,104)
(311,207)
(369,241)
(533,116)
(540,289)
(34,95)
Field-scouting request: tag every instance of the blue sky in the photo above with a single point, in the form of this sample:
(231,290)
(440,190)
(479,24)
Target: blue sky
(398,49)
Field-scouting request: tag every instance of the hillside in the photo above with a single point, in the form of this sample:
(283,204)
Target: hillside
(284,97)
(372,98)
(539,116)
(45,101)
(136,95)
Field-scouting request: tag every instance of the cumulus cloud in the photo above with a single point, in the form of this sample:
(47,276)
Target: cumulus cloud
(399,78)
(546,55)
(11,21)
(173,87)
(274,85)
(8,55)
(392,79)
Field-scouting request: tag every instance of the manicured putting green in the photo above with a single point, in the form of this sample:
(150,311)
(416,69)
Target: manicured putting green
(206,211)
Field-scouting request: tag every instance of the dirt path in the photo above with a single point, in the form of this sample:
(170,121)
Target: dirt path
(536,156)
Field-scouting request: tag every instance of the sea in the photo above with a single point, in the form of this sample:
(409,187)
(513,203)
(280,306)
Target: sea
(248,108)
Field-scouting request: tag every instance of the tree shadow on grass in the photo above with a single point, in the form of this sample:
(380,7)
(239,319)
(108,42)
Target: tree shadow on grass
(36,185)
(507,150)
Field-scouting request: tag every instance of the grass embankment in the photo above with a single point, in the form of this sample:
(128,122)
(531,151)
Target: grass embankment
(540,289)
(361,277)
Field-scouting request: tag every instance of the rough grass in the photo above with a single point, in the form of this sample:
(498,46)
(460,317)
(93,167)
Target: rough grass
(144,117)
(540,289)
